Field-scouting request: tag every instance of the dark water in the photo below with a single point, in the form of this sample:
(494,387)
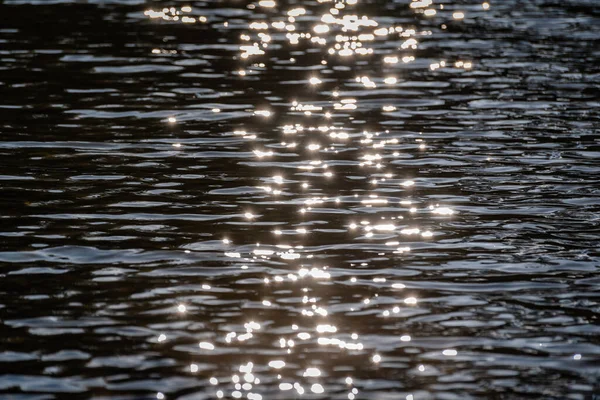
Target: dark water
(418,227)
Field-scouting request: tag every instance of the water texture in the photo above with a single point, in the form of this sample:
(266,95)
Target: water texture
(358,199)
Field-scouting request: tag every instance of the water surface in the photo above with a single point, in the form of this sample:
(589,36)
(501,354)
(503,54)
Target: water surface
(281,199)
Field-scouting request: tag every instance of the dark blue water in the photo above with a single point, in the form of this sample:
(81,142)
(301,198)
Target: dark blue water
(282,199)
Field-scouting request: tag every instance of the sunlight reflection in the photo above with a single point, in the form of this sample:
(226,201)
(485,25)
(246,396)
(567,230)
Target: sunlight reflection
(310,126)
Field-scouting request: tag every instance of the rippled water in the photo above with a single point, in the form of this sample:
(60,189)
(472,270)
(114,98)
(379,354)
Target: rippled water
(277,200)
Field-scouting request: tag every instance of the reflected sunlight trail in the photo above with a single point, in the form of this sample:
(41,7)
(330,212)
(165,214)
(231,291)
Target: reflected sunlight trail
(381,207)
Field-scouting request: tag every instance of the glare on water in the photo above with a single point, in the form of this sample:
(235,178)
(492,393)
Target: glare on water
(340,32)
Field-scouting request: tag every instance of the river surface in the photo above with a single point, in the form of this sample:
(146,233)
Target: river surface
(358,199)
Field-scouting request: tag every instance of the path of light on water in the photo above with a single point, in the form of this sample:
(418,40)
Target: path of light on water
(321,129)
